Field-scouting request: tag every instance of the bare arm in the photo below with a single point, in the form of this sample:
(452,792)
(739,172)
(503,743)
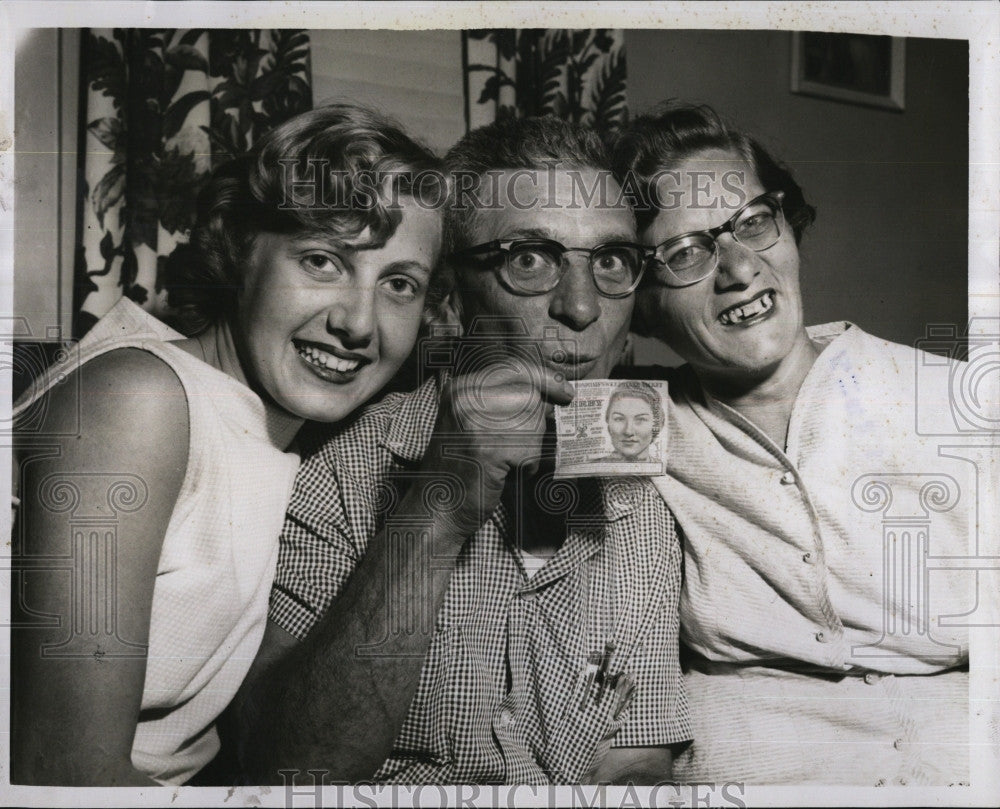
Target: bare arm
(321,705)
(641,766)
(74,712)
(325,706)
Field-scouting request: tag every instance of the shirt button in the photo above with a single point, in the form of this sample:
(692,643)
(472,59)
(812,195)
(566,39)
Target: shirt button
(788,478)
(871,678)
(898,744)
(529,595)
(807,557)
(903,782)
(821,637)
(880,782)
(505,718)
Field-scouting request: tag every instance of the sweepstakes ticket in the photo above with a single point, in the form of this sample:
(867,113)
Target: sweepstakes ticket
(612,427)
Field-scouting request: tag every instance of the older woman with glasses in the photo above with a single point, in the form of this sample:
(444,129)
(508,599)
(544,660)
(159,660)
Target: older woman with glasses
(820,648)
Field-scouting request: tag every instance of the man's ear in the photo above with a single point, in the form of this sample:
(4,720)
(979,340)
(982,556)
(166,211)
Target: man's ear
(447,312)
(628,352)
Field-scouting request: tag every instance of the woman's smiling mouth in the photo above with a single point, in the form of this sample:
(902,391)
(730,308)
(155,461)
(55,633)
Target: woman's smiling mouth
(328,365)
(749,311)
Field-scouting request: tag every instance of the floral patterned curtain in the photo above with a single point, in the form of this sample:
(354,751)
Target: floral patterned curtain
(578,75)
(163,107)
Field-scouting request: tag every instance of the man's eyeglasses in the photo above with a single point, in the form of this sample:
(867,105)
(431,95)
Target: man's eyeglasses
(536,266)
(692,257)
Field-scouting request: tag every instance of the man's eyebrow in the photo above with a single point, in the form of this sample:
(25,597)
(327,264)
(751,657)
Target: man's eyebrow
(529,233)
(618,236)
(542,233)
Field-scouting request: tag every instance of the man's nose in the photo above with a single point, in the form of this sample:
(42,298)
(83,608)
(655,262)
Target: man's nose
(738,264)
(351,315)
(576,301)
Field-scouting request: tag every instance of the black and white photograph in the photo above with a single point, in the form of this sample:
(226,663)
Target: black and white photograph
(612,427)
(515,404)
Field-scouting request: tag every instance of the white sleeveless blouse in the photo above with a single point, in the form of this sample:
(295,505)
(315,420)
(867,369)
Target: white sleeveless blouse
(219,553)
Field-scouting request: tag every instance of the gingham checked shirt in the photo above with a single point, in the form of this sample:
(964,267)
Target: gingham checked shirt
(501,692)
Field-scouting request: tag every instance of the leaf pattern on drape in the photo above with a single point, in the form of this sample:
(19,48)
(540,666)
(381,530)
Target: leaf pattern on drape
(164,106)
(578,75)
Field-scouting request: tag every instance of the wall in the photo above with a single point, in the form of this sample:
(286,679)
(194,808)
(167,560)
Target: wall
(45,122)
(888,250)
(415,76)
(889,247)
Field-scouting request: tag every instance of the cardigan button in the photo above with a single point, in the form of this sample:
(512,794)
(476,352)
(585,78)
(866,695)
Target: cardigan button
(788,478)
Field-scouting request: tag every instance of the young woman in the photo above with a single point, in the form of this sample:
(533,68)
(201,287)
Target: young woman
(634,417)
(159,471)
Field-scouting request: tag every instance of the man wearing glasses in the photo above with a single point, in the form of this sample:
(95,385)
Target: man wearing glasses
(444,611)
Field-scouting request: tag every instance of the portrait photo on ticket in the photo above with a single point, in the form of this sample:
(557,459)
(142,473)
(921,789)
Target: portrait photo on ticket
(613,427)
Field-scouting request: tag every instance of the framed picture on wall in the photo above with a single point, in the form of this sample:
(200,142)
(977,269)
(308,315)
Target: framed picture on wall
(856,68)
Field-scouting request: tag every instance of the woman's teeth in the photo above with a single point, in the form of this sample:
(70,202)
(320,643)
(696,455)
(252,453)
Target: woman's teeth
(756,307)
(328,361)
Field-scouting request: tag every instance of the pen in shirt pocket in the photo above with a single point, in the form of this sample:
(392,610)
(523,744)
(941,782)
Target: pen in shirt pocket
(624,693)
(598,681)
(589,676)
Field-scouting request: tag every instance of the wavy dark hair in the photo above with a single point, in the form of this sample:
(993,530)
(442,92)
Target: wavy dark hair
(659,141)
(334,172)
(636,389)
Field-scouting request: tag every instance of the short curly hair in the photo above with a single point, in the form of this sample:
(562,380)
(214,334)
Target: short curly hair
(334,171)
(676,131)
(636,389)
(509,144)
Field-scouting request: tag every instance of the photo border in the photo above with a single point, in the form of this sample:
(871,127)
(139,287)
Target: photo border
(979,23)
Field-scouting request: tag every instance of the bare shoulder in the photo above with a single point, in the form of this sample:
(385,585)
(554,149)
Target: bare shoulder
(130,371)
(125,409)
(126,388)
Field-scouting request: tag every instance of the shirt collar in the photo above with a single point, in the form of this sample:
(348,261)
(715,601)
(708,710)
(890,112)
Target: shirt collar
(411,424)
(826,333)
(607,500)
(823,335)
